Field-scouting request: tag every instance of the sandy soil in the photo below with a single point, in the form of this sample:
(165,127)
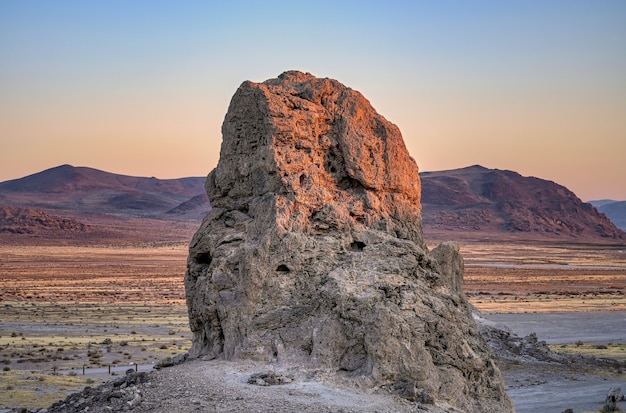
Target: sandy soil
(545,277)
(554,387)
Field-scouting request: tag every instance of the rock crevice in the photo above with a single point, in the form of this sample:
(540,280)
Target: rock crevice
(313,253)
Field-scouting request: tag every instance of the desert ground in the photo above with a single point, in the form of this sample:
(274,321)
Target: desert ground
(102,309)
(573,296)
(65,308)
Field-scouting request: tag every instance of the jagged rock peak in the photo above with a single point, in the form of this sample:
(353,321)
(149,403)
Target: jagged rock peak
(313,256)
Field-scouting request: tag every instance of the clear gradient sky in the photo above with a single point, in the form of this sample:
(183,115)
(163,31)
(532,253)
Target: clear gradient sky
(141,87)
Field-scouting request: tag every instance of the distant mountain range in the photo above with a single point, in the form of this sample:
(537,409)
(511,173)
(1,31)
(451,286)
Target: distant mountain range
(87,190)
(460,203)
(615,210)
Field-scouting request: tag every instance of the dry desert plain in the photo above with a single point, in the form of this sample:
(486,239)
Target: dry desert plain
(69,313)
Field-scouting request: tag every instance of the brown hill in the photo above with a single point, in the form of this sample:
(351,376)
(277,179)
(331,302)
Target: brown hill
(17,220)
(477,200)
(615,210)
(87,190)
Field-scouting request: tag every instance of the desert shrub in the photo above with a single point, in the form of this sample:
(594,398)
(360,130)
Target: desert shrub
(6,368)
(107,341)
(123,343)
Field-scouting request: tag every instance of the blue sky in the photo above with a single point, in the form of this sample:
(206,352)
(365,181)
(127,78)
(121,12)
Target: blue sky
(141,87)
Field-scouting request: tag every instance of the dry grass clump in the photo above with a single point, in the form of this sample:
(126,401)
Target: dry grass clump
(35,389)
(615,351)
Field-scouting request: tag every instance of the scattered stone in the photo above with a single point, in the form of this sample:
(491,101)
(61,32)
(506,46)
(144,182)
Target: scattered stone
(269,379)
(610,405)
(116,395)
(171,361)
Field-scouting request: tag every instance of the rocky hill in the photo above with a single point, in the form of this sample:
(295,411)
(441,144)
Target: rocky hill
(87,190)
(477,200)
(615,210)
(17,220)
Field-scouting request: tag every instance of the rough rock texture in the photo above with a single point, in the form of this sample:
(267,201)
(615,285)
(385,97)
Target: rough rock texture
(313,253)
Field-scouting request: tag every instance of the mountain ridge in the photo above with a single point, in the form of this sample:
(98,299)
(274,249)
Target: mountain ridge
(459,203)
(476,199)
(89,190)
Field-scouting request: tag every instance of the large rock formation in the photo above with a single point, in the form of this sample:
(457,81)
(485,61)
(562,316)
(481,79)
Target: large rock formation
(313,252)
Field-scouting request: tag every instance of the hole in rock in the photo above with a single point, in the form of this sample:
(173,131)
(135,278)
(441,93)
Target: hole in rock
(357,246)
(302,178)
(283,268)
(348,182)
(204,258)
(243,208)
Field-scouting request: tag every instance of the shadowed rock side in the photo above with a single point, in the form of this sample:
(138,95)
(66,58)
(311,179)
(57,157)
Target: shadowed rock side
(313,254)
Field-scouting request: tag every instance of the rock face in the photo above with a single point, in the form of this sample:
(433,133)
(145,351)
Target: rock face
(313,254)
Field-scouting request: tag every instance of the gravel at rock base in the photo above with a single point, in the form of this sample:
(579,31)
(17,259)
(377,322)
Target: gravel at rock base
(223,386)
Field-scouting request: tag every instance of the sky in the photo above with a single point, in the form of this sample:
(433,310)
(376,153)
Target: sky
(141,87)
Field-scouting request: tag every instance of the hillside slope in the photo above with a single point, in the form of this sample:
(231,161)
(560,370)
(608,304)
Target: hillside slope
(490,201)
(615,210)
(88,190)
